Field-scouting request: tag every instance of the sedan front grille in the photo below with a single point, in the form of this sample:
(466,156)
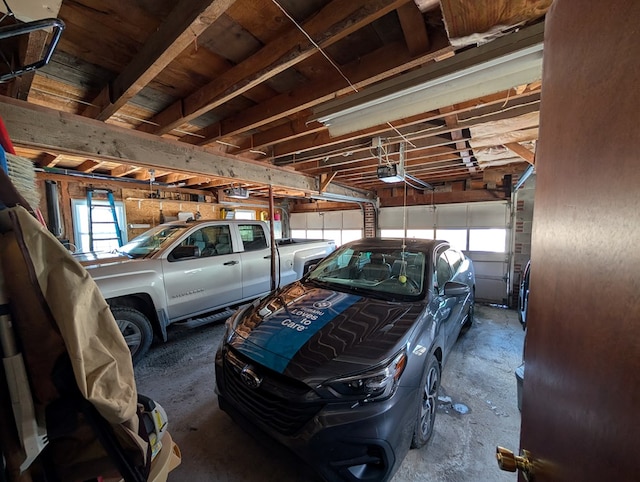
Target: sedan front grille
(268,404)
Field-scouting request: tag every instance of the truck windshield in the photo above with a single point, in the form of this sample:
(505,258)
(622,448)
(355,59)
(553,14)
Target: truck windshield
(151,241)
(382,273)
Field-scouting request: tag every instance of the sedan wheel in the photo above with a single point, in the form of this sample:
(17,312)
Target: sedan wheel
(427,404)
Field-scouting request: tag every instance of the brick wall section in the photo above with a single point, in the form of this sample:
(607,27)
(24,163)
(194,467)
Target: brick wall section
(522,234)
(370,227)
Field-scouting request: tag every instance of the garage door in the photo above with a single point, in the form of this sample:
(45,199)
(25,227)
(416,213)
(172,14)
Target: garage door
(481,230)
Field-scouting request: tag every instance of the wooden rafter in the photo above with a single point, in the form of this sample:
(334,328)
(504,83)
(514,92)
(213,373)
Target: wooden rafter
(334,22)
(188,19)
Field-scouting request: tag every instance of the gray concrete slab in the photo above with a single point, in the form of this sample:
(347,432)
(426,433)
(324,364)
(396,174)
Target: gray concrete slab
(478,410)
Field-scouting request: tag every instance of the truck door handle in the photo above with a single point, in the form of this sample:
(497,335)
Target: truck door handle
(230,263)
(267,257)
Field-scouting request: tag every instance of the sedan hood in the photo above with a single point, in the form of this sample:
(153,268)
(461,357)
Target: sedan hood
(312,334)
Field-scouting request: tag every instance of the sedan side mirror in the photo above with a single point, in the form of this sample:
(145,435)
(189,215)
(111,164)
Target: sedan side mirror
(453,288)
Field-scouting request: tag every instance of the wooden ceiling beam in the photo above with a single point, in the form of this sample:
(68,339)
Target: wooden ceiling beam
(413,28)
(334,22)
(38,127)
(184,24)
(30,50)
(381,64)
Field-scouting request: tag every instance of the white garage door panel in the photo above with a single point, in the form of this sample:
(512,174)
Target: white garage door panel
(298,221)
(352,219)
(390,218)
(493,214)
(486,290)
(420,217)
(452,216)
(333,220)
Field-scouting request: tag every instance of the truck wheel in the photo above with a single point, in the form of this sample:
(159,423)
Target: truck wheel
(136,329)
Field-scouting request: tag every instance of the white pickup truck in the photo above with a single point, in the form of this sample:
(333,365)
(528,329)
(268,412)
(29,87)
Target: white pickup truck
(193,271)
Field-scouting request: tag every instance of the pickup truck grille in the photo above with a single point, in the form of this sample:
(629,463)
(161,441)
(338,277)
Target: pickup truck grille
(276,403)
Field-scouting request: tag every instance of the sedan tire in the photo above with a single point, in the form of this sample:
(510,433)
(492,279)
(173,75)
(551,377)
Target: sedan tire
(136,329)
(427,403)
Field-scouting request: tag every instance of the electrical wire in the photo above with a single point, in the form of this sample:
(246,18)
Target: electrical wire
(402,136)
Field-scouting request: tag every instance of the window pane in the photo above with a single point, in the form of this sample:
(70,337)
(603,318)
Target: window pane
(334,234)
(299,233)
(253,237)
(392,233)
(314,234)
(103,227)
(493,240)
(240,214)
(457,238)
(351,235)
(420,233)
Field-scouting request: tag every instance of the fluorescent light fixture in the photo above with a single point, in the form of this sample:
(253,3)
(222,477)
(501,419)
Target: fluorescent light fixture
(512,60)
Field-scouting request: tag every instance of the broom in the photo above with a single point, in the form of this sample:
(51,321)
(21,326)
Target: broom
(21,173)
(23,176)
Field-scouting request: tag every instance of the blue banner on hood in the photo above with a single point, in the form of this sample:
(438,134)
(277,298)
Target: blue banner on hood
(281,334)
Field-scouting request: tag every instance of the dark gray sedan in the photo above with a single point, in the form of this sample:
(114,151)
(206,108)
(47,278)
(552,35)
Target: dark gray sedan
(344,366)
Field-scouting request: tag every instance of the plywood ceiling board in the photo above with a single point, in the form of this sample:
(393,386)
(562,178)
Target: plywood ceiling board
(476,21)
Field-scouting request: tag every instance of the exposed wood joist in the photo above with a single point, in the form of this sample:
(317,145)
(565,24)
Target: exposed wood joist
(521,151)
(184,24)
(414,28)
(337,20)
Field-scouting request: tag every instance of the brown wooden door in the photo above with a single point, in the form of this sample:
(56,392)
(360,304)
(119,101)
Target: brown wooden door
(581,396)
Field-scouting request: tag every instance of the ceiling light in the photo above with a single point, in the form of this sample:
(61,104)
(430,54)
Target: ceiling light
(513,60)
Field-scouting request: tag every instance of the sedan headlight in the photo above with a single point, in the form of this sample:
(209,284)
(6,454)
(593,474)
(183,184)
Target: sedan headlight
(373,385)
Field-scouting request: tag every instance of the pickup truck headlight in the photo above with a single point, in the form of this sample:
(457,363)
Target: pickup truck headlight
(372,385)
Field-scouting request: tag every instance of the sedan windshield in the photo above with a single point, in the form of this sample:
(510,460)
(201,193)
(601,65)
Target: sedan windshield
(382,273)
(152,241)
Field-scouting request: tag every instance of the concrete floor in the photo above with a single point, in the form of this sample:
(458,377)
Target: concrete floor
(477,411)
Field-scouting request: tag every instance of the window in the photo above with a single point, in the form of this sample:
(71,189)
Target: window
(334,234)
(443,271)
(206,240)
(491,240)
(392,233)
(253,237)
(245,214)
(457,238)
(420,233)
(454,258)
(104,231)
(351,235)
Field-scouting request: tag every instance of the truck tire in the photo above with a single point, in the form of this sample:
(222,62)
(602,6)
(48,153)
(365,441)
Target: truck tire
(135,328)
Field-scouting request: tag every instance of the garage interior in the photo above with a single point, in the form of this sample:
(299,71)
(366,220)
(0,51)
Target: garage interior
(363,118)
